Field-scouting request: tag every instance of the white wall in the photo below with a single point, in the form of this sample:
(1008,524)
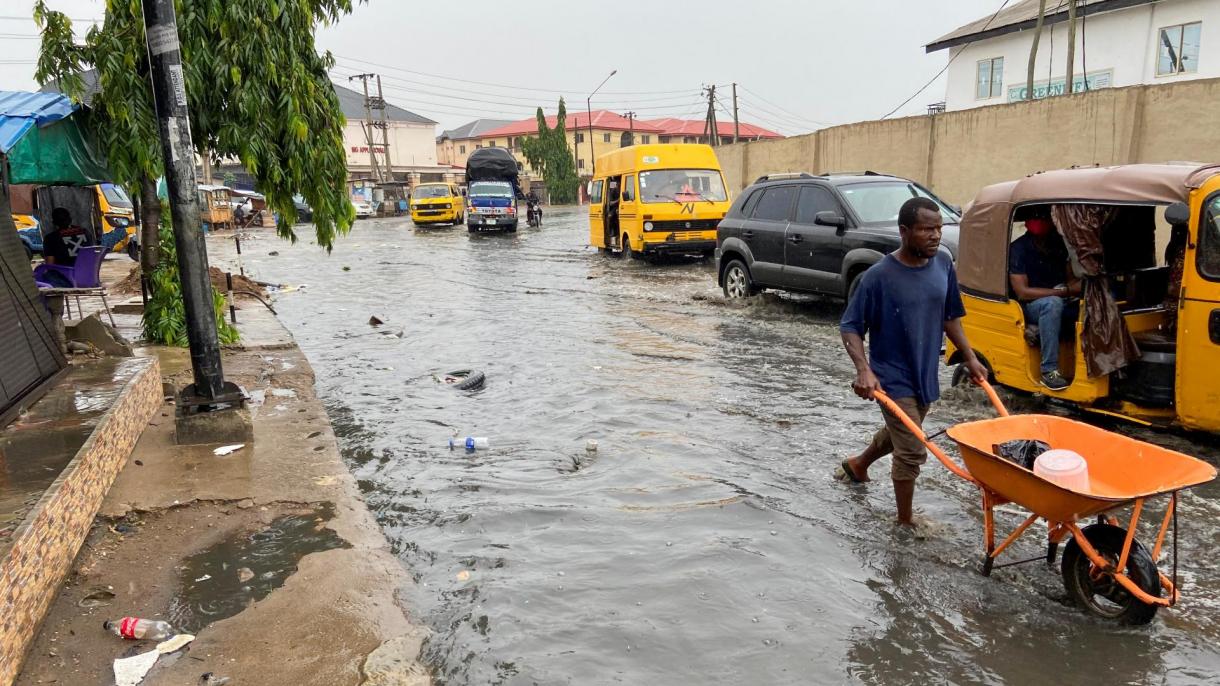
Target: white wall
(411,145)
(1121,42)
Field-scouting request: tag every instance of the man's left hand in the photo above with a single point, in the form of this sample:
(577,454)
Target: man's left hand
(978,373)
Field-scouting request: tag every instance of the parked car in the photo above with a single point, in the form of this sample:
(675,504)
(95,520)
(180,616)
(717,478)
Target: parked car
(363,209)
(815,234)
(304,211)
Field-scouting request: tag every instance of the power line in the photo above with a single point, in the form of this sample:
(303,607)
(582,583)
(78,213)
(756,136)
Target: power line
(791,114)
(787,121)
(504,86)
(531,104)
(528,98)
(942,71)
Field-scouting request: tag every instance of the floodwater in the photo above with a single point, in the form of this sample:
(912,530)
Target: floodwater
(703,541)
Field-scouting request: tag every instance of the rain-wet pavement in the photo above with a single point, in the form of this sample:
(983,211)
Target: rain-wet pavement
(704,540)
(36,447)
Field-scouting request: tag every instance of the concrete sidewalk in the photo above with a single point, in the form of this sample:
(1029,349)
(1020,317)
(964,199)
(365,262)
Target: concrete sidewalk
(336,619)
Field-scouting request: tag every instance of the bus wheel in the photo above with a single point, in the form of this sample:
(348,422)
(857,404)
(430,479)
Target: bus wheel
(627,251)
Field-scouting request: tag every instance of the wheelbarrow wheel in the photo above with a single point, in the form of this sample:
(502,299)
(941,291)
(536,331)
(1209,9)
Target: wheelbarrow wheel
(1100,594)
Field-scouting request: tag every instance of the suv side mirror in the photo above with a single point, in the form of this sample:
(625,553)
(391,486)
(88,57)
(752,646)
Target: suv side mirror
(1177,214)
(828,218)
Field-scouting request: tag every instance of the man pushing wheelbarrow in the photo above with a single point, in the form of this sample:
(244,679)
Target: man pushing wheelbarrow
(904,304)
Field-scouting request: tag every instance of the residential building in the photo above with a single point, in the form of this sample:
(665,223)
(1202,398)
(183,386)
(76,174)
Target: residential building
(695,131)
(1118,43)
(455,145)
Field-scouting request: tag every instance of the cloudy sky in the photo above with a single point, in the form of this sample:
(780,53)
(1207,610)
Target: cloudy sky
(799,64)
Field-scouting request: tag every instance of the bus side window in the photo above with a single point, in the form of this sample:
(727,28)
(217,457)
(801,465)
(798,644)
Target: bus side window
(629,188)
(595,194)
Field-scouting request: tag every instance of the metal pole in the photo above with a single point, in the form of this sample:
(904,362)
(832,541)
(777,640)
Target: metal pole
(173,118)
(229,292)
(712,113)
(589,114)
(1071,66)
(736,121)
(1033,52)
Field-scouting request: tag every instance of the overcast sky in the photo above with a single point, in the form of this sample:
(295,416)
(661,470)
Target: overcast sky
(799,64)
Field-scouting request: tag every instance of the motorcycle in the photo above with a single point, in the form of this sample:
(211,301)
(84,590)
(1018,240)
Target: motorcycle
(533,215)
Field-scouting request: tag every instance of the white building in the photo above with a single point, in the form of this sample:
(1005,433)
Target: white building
(412,138)
(1118,43)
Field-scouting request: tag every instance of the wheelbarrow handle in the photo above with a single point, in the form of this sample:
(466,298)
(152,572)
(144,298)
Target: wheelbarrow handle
(902,416)
(995,398)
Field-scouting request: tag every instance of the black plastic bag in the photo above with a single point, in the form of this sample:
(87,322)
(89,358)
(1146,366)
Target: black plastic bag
(1022,451)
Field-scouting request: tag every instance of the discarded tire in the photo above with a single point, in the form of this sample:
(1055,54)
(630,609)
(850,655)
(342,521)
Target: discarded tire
(465,379)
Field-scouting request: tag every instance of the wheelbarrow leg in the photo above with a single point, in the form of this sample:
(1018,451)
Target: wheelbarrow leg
(988,533)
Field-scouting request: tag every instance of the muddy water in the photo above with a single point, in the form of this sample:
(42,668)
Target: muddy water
(704,540)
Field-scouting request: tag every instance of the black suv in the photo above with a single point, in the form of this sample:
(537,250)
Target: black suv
(815,234)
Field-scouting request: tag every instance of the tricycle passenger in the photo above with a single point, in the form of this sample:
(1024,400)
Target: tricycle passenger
(1042,279)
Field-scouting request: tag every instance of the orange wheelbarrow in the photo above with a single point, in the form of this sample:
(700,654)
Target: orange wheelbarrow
(1104,568)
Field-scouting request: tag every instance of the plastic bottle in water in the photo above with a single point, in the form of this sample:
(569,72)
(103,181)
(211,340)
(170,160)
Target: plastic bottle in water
(138,629)
(470,443)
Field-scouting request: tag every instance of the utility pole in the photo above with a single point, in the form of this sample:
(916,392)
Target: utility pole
(736,121)
(385,134)
(209,391)
(368,124)
(710,125)
(631,128)
(1033,52)
(1071,66)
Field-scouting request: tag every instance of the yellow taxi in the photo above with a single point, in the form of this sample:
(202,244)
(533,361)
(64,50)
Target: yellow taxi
(437,203)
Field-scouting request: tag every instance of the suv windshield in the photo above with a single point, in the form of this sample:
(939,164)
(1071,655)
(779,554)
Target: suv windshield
(115,195)
(682,186)
(430,192)
(878,202)
(496,188)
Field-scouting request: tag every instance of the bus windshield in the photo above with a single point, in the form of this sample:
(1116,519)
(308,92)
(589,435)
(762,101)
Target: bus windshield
(115,195)
(682,186)
(500,189)
(430,192)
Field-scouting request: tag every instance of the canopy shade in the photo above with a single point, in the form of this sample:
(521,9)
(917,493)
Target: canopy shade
(42,139)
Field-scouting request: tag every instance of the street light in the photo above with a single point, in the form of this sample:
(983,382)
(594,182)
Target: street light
(589,114)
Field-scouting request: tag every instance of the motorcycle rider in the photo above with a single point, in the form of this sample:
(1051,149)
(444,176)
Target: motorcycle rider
(533,205)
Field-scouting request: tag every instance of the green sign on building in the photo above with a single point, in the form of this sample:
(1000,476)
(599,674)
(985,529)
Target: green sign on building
(1043,89)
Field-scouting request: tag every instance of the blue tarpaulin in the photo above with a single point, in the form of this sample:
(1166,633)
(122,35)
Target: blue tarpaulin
(21,111)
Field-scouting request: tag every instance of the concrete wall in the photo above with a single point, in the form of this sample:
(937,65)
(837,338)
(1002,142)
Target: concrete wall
(957,153)
(1121,45)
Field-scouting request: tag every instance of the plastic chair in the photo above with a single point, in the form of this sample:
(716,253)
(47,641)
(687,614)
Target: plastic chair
(84,275)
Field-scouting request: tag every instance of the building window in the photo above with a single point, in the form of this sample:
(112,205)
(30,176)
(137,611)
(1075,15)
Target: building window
(605,138)
(1178,49)
(462,149)
(662,139)
(645,138)
(580,138)
(477,146)
(990,79)
(491,143)
(580,164)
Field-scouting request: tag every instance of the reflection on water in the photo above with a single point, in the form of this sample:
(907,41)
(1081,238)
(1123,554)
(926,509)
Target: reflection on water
(704,540)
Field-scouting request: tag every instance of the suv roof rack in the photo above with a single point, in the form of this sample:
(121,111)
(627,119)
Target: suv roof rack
(866,172)
(784,175)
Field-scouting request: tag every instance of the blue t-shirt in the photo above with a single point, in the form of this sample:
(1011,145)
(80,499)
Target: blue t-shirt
(1043,269)
(902,311)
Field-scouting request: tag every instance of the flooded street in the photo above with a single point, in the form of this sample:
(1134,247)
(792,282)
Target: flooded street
(703,541)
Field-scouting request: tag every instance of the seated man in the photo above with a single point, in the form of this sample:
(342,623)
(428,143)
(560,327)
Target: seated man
(61,245)
(1042,280)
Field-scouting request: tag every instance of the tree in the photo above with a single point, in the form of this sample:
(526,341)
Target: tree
(549,154)
(258,91)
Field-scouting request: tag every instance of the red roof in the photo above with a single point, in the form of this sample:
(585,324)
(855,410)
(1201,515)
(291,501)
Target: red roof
(602,119)
(695,127)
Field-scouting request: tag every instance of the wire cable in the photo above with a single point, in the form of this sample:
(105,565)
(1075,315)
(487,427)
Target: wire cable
(781,109)
(951,59)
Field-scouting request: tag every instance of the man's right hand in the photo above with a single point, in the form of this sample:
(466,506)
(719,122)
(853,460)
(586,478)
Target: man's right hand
(866,384)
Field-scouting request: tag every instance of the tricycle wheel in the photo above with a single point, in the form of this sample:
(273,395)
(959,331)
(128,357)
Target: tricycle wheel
(1100,593)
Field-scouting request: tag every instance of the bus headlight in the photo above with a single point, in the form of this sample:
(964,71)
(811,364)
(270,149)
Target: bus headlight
(648,226)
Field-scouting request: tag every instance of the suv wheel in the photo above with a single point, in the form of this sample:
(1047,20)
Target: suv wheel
(737,281)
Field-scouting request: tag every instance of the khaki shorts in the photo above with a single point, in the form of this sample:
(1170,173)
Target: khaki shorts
(909,452)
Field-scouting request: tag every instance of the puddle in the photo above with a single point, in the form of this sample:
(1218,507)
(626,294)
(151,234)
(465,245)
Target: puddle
(232,575)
